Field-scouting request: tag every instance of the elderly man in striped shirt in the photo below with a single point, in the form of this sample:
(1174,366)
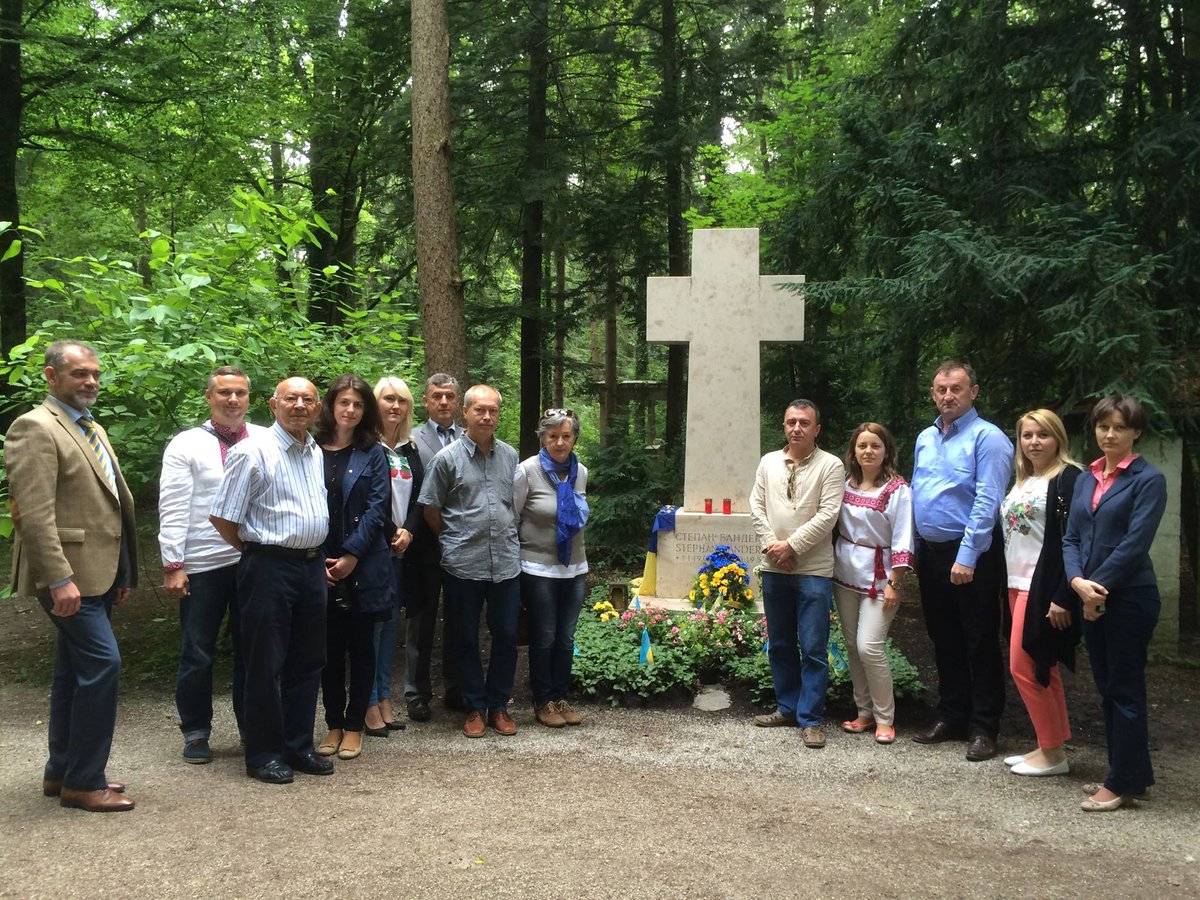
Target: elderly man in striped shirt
(272,507)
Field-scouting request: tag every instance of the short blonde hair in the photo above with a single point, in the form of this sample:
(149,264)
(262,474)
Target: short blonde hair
(1050,421)
(390,382)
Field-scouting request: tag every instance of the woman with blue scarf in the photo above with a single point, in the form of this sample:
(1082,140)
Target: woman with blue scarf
(548,498)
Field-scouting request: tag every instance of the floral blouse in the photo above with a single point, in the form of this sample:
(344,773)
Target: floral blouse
(1023,519)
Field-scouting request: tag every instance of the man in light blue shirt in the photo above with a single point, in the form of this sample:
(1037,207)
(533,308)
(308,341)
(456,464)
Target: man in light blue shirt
(961,468)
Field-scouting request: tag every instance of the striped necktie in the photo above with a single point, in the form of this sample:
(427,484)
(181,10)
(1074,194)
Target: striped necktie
(445,435)
(98,450)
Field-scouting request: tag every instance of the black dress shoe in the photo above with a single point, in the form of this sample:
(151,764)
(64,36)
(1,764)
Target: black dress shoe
(394,725)
(274,772)
(311,764)
(376,732)
(981,747)
(940,732)
(419,711)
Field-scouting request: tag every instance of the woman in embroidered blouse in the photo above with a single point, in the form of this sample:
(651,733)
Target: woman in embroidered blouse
(548,499)
(1119,501)
(1045,612)
(873,557)
(405,475)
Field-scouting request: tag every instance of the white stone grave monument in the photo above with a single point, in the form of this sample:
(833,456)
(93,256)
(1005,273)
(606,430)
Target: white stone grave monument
(723,311)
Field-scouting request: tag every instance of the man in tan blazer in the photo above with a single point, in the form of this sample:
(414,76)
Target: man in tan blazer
(75,551)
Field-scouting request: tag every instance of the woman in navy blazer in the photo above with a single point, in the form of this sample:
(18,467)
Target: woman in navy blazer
(357,559)
(1117,505)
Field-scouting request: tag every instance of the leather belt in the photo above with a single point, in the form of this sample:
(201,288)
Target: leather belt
(276,550)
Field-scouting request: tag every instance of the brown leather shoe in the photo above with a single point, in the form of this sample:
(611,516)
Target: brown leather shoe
(813,736)
(547,714)
(981,747)
(569,715)
(95,801)
(52,787)
(474,726)
(503,723)
(775,720)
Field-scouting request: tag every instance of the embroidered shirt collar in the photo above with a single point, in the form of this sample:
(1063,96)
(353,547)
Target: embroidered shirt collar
(228,433)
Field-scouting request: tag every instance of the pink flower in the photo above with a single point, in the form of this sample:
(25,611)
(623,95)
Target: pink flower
(674,629)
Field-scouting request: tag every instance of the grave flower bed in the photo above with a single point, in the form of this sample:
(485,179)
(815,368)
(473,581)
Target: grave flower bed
(691,648)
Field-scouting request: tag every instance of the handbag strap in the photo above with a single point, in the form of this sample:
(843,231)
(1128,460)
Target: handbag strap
(1062,507)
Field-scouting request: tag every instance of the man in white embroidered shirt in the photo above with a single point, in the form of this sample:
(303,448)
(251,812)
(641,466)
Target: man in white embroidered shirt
(794,507)
(199,567)
(272,507)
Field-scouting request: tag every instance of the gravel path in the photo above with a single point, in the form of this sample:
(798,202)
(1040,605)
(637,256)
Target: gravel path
(636,803)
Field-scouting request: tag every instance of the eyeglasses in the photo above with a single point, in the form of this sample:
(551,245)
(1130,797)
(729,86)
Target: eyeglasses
(298,401)
(555,413)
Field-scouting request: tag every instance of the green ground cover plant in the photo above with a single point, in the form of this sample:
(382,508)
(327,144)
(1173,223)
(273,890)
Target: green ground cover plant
(692,648)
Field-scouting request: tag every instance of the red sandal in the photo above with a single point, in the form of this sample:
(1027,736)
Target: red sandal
(854,726)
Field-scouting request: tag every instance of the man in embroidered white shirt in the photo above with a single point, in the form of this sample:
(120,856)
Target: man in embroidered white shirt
(199,567)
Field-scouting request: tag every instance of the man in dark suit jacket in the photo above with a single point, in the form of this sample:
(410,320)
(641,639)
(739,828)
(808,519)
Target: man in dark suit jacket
(441,404)
(76,552)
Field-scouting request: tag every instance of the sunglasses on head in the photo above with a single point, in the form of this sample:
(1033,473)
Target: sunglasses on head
(558,414)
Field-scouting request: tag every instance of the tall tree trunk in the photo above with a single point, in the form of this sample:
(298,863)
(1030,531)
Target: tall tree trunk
(611,390)
(439,278)
(141,221)
(532,237)
(560,319)
(335,160)
(12,271)
(677,263)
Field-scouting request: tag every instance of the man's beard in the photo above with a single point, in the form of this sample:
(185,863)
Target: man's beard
(82,400)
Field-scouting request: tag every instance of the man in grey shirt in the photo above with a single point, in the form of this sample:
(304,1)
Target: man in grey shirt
(468,501)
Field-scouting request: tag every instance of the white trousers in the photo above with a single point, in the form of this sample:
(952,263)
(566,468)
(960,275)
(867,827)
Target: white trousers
(865,626)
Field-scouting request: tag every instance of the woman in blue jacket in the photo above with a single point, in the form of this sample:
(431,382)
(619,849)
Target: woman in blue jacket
(1117,505)
(357,559)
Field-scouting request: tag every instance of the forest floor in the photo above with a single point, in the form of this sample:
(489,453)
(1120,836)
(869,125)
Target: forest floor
(663,801)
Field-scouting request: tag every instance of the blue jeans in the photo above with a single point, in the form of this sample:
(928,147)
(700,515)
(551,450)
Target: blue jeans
(83,695)
(1116,646)
(385,640)
(554,605)
(466,599)
(797,608)
(210,595)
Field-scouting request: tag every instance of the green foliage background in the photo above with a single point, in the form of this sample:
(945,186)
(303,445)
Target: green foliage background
(1015,183)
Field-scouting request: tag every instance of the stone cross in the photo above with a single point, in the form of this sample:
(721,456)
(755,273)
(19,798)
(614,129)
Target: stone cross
(723,312)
